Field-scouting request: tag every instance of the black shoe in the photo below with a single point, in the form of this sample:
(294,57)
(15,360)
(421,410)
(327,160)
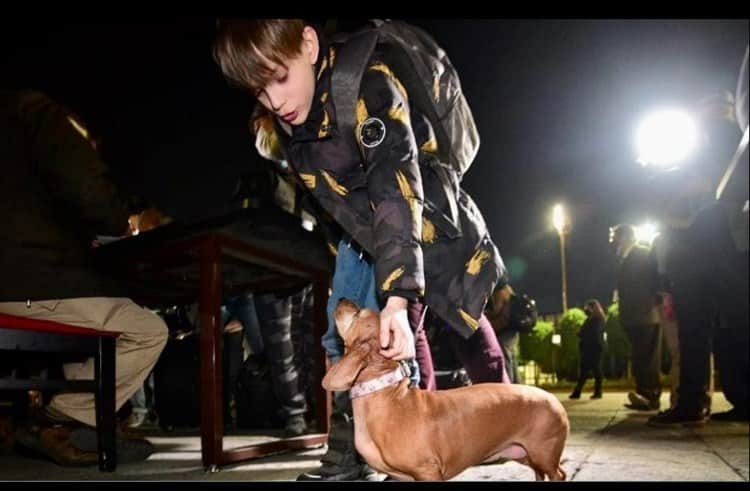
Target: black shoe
(596,395)
(334,472)
(731,415)
(677,417)
(575,395)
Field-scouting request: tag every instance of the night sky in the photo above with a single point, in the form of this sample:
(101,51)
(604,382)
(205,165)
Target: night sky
(556,103)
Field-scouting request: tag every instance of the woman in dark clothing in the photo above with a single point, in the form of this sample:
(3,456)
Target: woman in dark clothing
(591,345)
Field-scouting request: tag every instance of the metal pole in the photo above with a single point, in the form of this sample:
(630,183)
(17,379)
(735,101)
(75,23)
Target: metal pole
(564,275)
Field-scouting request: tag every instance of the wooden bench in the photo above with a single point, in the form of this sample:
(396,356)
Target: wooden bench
(23,334)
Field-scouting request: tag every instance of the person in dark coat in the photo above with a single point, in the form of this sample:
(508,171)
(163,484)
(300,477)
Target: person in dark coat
(637,293)
(591,347)
(707,268)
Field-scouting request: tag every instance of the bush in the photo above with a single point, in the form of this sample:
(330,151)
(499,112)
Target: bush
(617,349)
(537,346)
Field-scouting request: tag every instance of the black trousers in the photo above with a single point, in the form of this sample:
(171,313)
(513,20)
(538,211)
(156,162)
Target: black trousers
(645,353)
(710,292)
(591,364)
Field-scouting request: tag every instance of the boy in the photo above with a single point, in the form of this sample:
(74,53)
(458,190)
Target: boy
(410,233)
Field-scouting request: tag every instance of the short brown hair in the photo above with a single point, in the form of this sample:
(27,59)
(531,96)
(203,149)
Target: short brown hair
(242,44)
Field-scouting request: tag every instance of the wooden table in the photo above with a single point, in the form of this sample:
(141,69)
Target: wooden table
(251,250)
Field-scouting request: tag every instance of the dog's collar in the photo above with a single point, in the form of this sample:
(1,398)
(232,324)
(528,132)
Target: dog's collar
(386,380)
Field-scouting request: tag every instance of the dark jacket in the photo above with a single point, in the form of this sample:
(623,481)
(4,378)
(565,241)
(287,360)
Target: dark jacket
(637,285)
(393,197)
(55,196)
(591,336)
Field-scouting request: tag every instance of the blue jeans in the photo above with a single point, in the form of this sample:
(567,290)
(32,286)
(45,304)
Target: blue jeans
(354,279)
(242,308)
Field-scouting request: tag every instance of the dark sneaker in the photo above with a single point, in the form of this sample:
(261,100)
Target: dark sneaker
(575,395)
(731,415)
(596,395)
(295,426)
(334,472)
(677,417)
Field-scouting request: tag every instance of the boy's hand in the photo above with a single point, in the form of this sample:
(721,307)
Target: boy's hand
(146,220)
(396,338)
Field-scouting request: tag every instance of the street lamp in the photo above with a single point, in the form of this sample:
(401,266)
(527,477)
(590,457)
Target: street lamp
(562,225)
(646,233)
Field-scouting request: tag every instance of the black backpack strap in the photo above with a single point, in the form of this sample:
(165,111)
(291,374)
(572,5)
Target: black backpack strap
(352,57)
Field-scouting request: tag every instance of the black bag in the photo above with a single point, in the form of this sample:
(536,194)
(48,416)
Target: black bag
(424,69)
(255,401)
(523,313)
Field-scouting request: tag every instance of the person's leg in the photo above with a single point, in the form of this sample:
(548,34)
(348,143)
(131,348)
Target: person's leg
(303,339)
(234,316)
(695,356)
(731,336)
(671,337)
(582,376)
(645,354)
(140,409)
(732,364)
(694,309)
(353,279)
(481,355)
(242,309)
(423,352)
(275,321)
(143,337)
(598,375)
(508,341)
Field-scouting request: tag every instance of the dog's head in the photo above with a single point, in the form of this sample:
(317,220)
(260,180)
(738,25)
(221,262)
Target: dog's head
(360,330)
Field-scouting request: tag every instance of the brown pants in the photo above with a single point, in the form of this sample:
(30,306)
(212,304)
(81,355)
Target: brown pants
(143,337)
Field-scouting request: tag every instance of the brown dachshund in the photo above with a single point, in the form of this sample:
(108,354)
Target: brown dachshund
(411,434)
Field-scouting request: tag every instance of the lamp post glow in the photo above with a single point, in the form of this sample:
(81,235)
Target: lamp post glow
(562,225)
(646,233)
(666,137)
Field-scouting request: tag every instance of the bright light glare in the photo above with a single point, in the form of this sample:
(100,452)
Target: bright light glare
(666,137)
(646,233)
(558,217)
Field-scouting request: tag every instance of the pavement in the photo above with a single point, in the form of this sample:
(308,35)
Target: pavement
(607,442)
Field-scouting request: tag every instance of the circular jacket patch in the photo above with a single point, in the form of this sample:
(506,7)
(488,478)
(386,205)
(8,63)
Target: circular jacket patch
(372,132)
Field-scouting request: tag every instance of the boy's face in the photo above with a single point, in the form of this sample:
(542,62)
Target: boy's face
(290,92)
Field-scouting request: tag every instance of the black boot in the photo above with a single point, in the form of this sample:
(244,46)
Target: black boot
(576,394)
(341,462)
(597,389)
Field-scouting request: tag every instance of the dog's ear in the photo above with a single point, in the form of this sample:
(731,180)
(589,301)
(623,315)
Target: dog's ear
(342,375)
(344,315)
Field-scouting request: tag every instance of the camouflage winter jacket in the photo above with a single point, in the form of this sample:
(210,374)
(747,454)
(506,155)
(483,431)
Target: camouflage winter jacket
(385,187)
